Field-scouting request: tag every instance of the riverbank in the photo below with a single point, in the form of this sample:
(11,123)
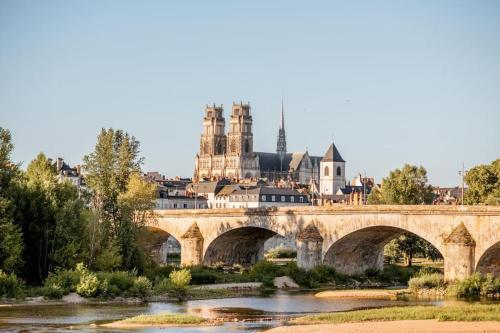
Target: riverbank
(399,326)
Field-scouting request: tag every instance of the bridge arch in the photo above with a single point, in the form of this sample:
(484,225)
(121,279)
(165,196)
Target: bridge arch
(363,248)
(242,245)
(153,239)
(489,262)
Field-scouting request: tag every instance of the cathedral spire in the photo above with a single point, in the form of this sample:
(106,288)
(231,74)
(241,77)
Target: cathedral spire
(281,144)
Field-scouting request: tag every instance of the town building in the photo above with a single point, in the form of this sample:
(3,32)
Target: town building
(66,172)
(266,197)
(332,172)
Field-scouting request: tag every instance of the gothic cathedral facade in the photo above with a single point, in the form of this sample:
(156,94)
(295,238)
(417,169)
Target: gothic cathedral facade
(231,155)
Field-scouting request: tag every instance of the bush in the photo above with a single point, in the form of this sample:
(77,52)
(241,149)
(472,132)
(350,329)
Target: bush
(323,273)
(281,252)
(372,272)
(179,281)
(109,258)
(265,268)
(470,286)
(203,277)
(142,287)
(122,280)
(63,279)
(158,273)
(426,281)
(53,291)
(163,287)
(10,285)
(490,286)
(89,283)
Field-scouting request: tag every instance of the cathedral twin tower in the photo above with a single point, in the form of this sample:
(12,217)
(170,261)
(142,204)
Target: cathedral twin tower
(228,155)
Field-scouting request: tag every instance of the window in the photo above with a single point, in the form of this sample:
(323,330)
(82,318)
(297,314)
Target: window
(185,206)
(301,199)
(175,205)
(273,198)
(292,199)
(339,171)
(283,198)
(263,198)
(327,171)
(247,146)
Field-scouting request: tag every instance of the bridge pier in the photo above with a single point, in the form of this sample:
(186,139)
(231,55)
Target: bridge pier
(192,247)
(309,247)
(459,254)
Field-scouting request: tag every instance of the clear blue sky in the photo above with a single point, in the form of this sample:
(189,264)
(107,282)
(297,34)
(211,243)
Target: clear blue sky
(391,81)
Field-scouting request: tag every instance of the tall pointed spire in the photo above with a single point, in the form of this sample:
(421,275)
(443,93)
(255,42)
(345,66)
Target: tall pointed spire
(282,115)
(281,144)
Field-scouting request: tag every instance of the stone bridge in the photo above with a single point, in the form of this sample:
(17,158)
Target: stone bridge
(349,238)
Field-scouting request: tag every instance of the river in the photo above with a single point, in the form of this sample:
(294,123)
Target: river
(246,314)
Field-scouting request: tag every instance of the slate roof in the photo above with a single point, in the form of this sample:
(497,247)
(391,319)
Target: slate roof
(268,191)
(271,161)
(332,155)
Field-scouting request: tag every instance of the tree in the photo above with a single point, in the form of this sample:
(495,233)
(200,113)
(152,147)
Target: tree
(483,184)
(52,218)
(11,243)
(406,186)
(120,200)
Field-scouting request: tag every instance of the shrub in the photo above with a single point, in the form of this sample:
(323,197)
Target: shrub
(65,279)
(490,286)
(323,273)
(470,286)
(372,272)
(265,268)
(163,287)
(157,273)
(203,277)
(53,291)
(179,281)
(426,281)
(142,286)
(10,285)
(281,252)
(89,283)
(109,258)
(122,280)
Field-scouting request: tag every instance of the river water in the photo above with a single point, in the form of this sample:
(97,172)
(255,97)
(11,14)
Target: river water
(246,314)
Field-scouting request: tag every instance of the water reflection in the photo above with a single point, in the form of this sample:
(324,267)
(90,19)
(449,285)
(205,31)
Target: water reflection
(252,313)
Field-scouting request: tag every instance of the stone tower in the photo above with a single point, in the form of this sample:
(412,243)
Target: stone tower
(332,172)
(240,136)
(210,162)
(213,139)
(281,144)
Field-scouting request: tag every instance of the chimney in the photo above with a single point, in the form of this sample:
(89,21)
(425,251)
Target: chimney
(78,169)
(59,164)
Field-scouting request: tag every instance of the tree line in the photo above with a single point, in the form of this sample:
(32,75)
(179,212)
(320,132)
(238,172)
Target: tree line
(46,223)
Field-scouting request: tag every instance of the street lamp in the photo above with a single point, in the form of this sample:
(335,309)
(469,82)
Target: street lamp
(462,173)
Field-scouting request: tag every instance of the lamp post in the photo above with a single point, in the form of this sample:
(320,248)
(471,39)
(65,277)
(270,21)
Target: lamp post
(462,173)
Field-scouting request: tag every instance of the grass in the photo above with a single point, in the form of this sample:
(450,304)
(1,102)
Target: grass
(164,319)
(467,312)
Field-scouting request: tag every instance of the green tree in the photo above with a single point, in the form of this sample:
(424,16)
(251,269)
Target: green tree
(11,243)
(118,203)
(406,186)
(52,218)
(483,184)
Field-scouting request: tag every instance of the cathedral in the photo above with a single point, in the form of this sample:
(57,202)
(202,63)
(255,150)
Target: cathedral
(232,155)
